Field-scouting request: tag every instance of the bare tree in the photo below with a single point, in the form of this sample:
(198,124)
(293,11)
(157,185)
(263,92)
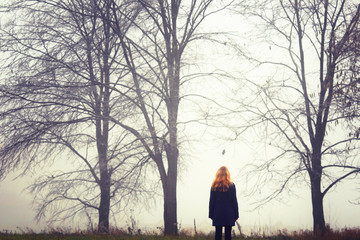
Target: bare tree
(58,94)
(154,57)
(151,38)
(307,44)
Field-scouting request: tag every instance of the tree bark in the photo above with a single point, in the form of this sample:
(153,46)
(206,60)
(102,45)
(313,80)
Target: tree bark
(317,196)
(170,206)
(103,136)
(104,184)
(317,205)
(104,207)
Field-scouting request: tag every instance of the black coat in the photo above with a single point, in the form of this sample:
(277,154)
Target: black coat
(223,207)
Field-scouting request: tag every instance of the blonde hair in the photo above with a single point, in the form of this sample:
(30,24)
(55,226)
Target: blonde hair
(222,180)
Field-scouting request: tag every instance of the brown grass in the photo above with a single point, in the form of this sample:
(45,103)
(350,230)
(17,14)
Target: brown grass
(342,234)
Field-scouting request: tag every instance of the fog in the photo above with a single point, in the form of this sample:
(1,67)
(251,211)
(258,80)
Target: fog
(200,159)
(292,213)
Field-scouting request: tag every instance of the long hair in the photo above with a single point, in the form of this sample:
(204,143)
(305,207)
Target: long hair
(222,180)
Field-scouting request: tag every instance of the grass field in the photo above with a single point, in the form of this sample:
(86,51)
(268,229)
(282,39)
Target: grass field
(89,237)
(343,234)
(113,237)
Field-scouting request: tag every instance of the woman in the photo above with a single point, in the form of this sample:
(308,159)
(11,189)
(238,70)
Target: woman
(223,206)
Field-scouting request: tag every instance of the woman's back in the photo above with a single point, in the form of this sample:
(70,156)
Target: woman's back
(223,207)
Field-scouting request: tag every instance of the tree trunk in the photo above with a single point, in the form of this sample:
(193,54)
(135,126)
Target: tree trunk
(317,197)
(318,209)
(170,204)
(170,207)
(104,207)
(172,153)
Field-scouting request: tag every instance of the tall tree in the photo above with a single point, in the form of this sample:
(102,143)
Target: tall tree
(307,44)
(152,51)
(57,95)
(154,57)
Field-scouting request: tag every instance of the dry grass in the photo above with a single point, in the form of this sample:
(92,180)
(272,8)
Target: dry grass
(120,234)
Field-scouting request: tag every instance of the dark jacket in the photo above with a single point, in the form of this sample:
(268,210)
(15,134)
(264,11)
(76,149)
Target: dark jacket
(223,207)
